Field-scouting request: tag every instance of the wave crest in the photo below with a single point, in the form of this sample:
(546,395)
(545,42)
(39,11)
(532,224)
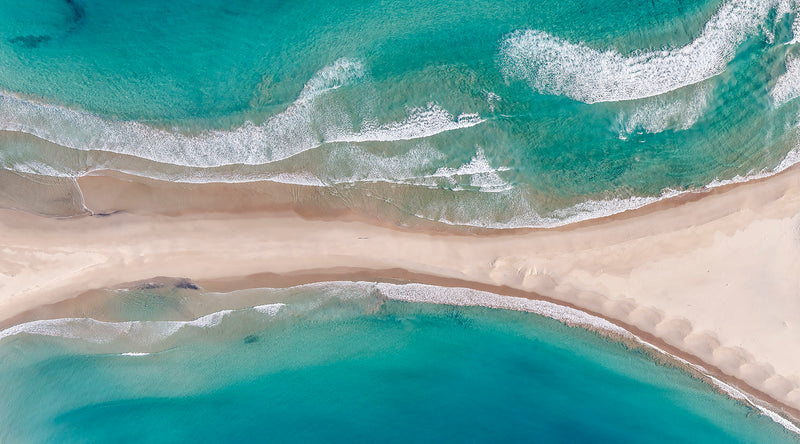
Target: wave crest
(307,123)
(555,66)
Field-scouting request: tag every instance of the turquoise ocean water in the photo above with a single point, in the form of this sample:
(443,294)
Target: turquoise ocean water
(344,362)
(513,113)
(478,113)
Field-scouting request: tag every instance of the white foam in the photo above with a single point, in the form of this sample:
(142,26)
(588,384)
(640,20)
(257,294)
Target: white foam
(331,77)
(791,158)
(421,123)
(145,332)
(795,30)
(102,332)
(468,297)
(594,209)
(552,65)
(657,114)
(305,124)
(38,168)
(492,99)
(730,390)
(460,296)
(735,393)
(347,164)
(269,309)
(351,164)
(527,217)
(787,87)
(480,172)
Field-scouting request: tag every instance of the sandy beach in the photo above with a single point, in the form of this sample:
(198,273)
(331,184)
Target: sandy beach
(712,276)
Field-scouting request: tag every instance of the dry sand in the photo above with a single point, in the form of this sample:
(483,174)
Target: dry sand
(713,276)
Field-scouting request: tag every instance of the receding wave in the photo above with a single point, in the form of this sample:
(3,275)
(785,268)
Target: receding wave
(477,174)
(665,112)
(307,123)
(552,65)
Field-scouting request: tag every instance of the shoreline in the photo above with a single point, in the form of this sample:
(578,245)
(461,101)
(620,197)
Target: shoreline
(631,336)
(749,233)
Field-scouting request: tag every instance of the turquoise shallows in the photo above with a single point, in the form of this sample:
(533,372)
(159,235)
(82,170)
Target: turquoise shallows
(341,363)
(487,113)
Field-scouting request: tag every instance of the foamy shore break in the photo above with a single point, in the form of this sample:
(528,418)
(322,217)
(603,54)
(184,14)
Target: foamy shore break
(713,278)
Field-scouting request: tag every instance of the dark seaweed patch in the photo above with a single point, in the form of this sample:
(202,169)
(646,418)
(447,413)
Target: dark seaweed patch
(32,41)
(29,41)
(78,13)
(249,339)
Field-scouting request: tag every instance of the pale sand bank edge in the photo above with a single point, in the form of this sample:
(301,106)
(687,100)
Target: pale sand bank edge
(715,276)
(443,293)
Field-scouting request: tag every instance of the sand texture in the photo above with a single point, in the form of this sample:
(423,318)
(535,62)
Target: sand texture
(715,275)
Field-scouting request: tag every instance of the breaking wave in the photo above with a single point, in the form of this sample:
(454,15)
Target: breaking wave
(552,65)
(307,123)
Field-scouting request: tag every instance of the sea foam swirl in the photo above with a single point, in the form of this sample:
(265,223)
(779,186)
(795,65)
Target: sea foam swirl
(552,65)
(660,113)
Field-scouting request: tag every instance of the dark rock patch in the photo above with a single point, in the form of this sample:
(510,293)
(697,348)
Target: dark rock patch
(149,286)
(187,285)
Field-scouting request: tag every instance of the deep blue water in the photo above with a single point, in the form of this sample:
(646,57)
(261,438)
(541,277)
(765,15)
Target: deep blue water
(341,363)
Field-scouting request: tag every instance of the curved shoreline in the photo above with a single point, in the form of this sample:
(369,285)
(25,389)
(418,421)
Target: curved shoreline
(493,297)
(712,277)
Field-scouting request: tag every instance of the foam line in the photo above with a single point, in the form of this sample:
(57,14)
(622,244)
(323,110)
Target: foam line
(468,297)
(144,332)
(421,123)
